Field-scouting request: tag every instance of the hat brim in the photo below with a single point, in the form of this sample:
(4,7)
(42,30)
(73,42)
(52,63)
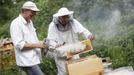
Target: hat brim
(63,14)
(35,9)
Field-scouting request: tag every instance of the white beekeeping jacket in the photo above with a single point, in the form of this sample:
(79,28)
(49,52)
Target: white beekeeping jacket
(71,36)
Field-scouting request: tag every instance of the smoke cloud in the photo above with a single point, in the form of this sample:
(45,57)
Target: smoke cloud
(102,17)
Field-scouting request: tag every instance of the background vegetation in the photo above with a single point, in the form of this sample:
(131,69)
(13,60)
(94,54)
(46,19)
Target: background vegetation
(111,21)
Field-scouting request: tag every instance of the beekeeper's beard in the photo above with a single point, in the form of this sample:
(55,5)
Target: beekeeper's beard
(64,22)
(62,27)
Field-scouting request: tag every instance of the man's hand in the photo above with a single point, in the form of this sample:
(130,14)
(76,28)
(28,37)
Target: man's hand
(91,37)
(41,44)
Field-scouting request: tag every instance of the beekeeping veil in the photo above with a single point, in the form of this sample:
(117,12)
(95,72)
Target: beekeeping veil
(62,12)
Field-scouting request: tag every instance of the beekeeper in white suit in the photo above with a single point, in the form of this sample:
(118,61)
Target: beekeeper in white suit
(64,30)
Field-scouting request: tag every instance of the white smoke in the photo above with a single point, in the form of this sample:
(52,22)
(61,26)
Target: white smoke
(97,19)
(112,24)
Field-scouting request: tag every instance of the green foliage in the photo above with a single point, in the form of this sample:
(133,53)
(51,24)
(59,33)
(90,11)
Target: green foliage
(12,70)
(7,11)
(118,56)
(48,66)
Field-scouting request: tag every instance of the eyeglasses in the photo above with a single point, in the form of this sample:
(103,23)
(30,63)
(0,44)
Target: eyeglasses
(33,12)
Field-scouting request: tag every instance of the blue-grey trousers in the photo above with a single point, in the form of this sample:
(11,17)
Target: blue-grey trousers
(32,70)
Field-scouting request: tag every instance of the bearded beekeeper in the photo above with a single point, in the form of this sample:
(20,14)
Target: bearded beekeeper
(64,29)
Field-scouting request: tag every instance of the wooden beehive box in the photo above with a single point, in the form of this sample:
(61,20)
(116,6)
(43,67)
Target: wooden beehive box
(85,66)
(6,52)
(5,44)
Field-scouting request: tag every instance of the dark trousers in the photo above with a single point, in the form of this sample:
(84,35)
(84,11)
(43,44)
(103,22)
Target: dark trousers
(32,70)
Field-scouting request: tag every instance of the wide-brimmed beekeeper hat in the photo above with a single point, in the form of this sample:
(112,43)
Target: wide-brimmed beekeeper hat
(62,12)
(30,5)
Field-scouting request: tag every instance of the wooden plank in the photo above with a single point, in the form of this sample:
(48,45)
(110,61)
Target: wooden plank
(6,49)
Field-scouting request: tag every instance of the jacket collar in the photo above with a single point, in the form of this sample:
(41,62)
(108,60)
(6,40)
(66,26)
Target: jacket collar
(23,20)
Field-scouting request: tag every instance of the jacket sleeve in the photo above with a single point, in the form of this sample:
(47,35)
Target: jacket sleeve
(17,35)
(78,28)
(52,36)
